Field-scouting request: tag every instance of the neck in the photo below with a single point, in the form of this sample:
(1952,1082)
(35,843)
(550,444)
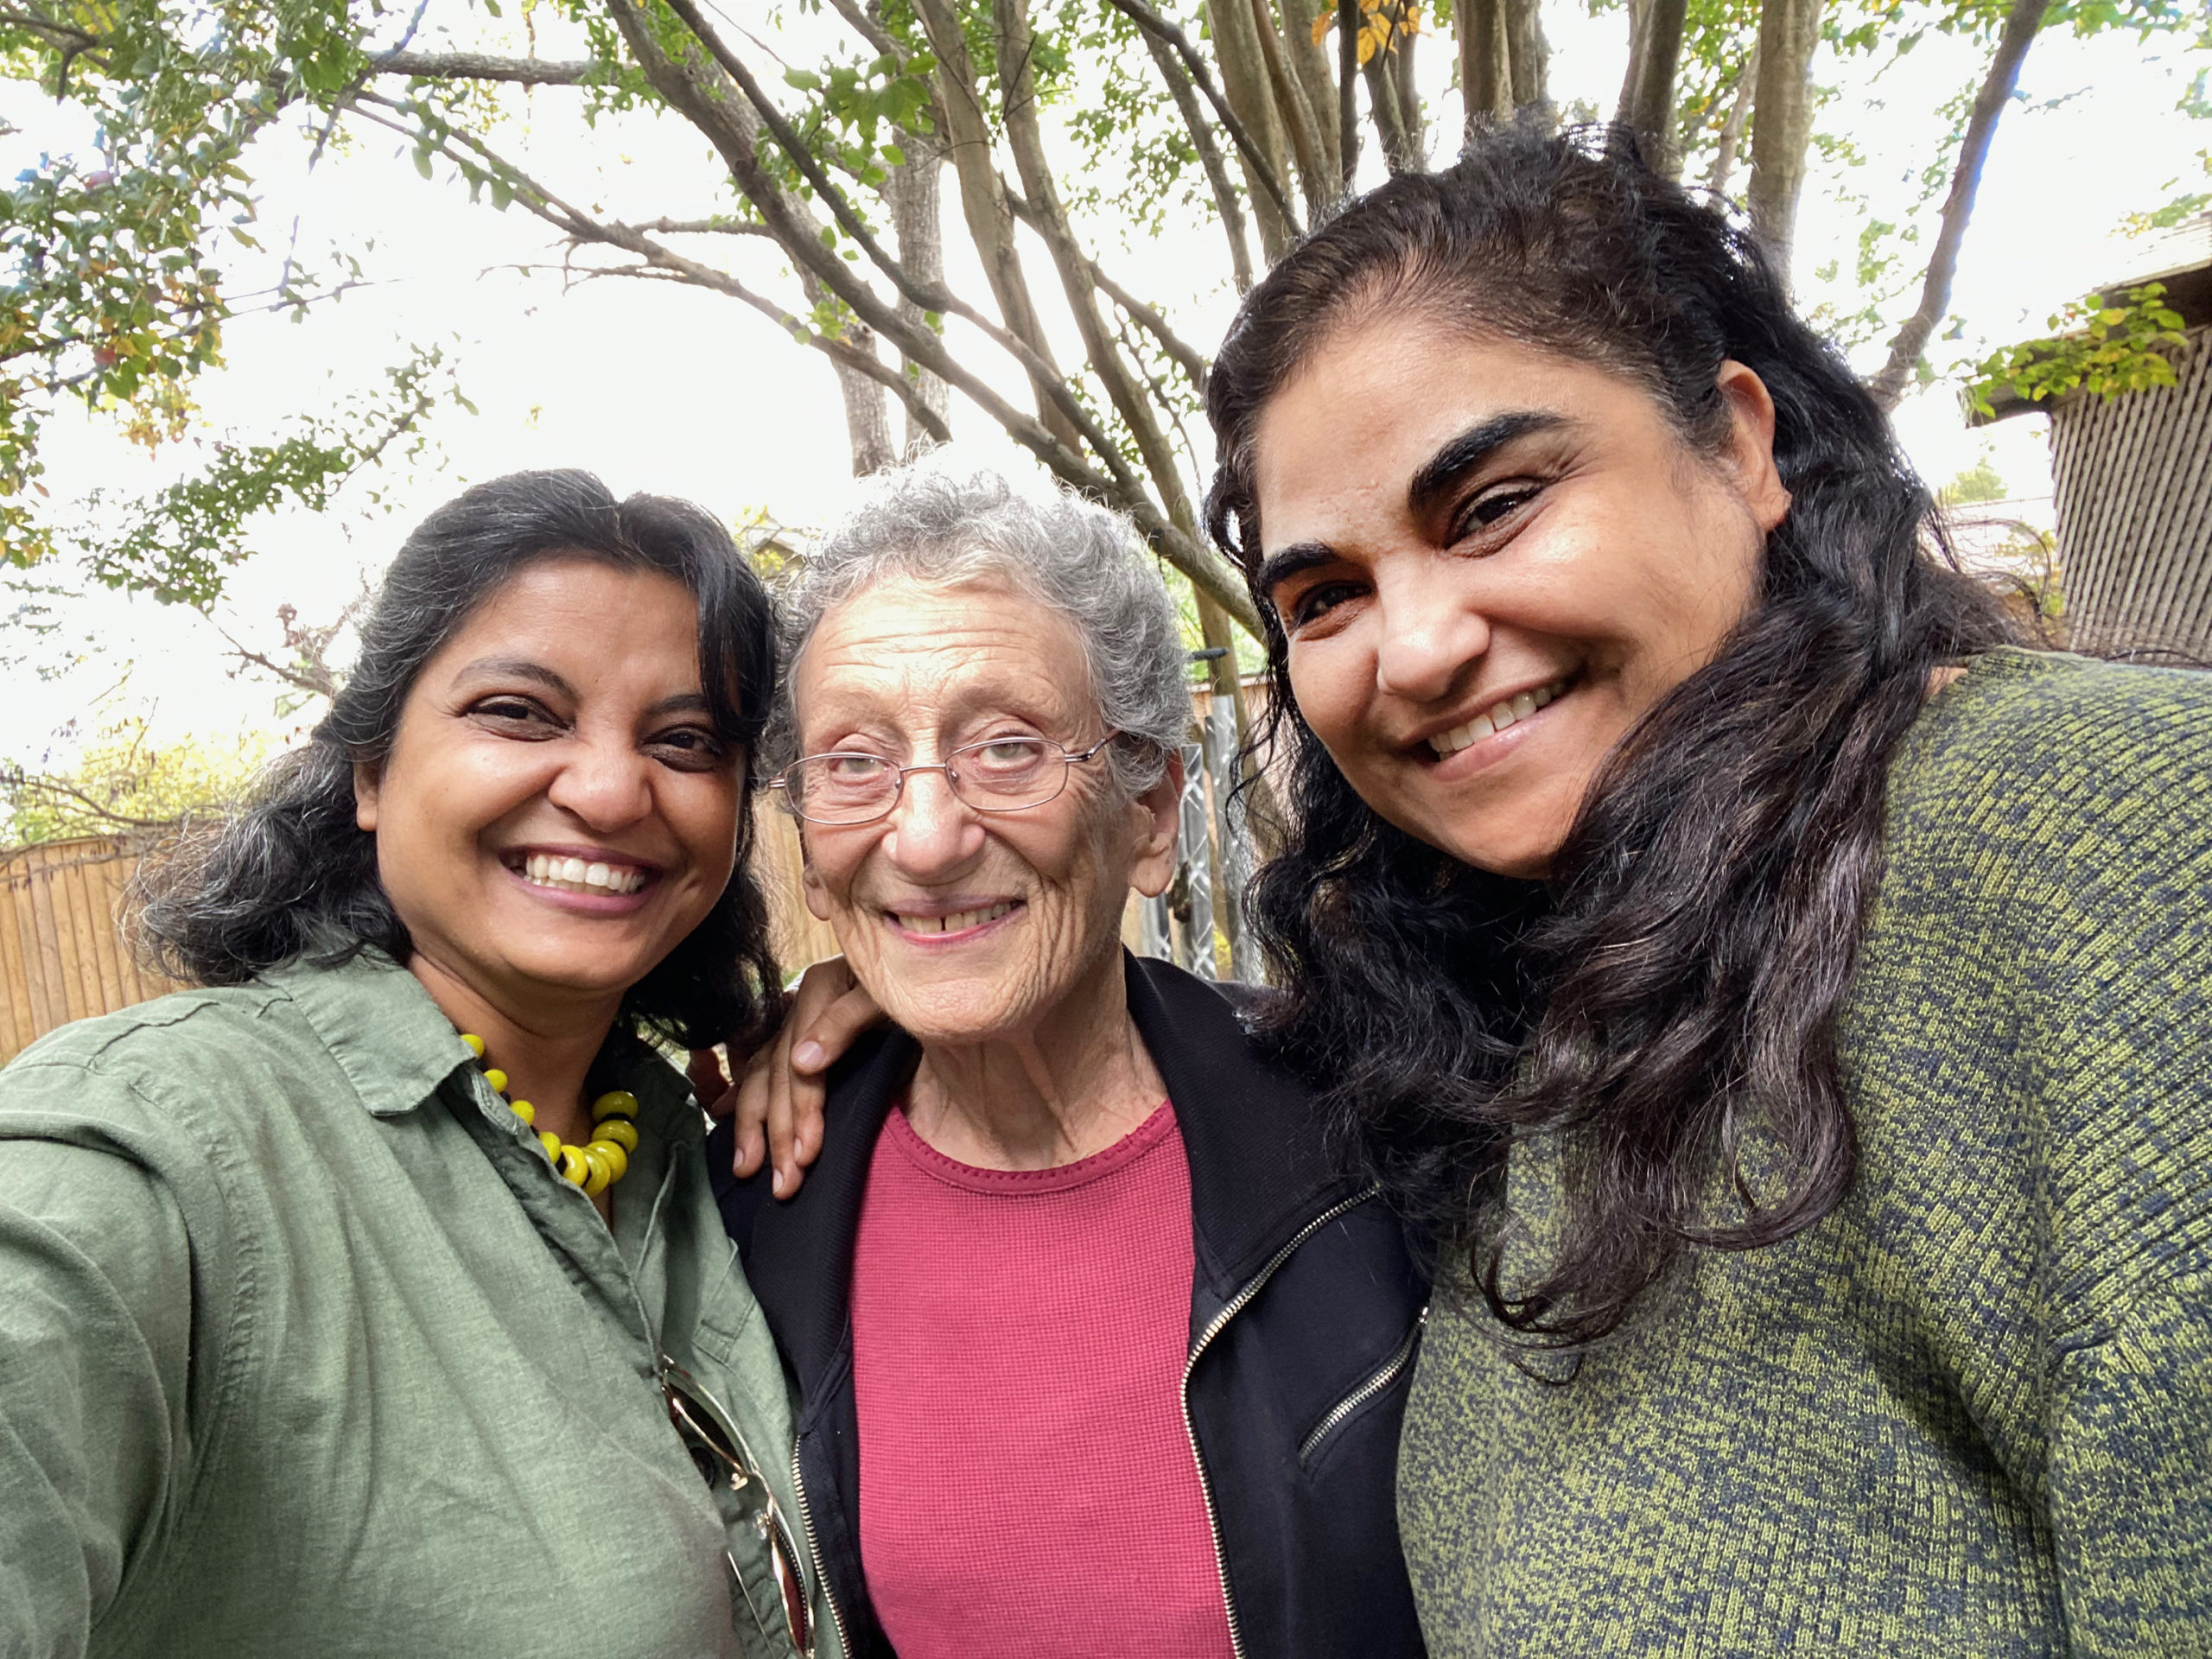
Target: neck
(544,1050)
(1070,1085)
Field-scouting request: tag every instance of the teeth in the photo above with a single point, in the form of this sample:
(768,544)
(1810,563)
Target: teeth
(954,922)
(1520,706)
(575,875)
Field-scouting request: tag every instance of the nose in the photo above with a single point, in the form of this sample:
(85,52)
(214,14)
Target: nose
(603,783)
(932,833)
(1433,633)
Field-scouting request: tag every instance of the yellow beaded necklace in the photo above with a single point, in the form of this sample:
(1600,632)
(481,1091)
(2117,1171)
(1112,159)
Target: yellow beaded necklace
(602,1160)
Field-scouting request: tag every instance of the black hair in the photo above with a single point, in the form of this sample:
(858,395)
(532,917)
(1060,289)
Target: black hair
(1674,989)
(291,876)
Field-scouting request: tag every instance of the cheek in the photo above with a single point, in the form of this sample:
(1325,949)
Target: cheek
(1327,689)
(704,810)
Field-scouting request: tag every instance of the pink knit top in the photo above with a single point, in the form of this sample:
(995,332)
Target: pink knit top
(1027,1484)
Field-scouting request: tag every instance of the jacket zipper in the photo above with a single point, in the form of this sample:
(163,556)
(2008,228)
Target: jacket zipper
(1392,1367)
(1214,1326)
(814,1553)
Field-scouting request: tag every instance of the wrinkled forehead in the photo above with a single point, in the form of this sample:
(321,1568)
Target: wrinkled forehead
(918,653)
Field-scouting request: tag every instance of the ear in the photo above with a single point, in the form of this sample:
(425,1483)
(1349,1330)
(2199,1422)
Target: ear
(810,883)
(1749,456)
(1162,809)
(367,779)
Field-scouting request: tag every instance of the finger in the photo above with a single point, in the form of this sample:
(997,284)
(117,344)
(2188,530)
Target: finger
(769,1060)
(824,1039)
(786,1179)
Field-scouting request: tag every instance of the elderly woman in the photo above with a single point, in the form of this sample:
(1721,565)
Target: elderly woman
(372,1301)
(1097,1353)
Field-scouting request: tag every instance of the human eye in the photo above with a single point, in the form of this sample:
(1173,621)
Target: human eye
(512,714)
(1008,753)
(1494,505)
(849,768)
(1310,603)
(688,749)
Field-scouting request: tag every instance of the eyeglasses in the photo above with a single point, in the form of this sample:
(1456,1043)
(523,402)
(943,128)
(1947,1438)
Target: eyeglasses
(715,1454)
(1002,774)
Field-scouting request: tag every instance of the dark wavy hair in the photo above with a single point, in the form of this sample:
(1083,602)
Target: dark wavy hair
(290,876)
(1673,991)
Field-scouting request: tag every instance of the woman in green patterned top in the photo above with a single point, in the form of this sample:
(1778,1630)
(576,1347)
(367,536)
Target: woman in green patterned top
(1784,995)
(373,1302)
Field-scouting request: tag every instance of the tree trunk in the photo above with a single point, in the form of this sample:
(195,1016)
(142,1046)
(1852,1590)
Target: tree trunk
(1732,130)
(1348,89)
(1485,60)
(868,410)
(1201,131)
(1655,53)
(1997,87)
(1315,176)
(1410,118)
(1782,120)
(1310,63)
(1530,52)
(1244,84)
(1402,151)
(913,193)
(982,200)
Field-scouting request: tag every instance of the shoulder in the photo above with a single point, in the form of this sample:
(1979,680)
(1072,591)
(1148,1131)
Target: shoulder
(2084,788)
(188,1042)
(2023,726)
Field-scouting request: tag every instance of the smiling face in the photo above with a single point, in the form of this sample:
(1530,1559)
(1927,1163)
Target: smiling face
(557,812)
(967,926)
(1490,562)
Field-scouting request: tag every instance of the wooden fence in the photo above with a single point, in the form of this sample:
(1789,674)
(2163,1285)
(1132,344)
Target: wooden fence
(62,956)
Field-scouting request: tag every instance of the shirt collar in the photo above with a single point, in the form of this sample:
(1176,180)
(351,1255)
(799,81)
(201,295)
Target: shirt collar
(397,1048)
(379,1025)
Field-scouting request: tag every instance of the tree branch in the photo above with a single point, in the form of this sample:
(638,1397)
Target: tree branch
(1186,356)
(2021,23)
(483,65)
(1224,193)
(1209,572)
(1153,23)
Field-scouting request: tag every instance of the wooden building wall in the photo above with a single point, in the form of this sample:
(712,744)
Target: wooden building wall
(2135,487)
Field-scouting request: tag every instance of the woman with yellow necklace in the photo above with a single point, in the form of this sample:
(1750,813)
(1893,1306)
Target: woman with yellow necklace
(372,1301)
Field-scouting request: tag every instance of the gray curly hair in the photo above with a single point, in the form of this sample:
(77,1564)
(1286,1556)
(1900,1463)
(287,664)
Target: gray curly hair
(1081,560)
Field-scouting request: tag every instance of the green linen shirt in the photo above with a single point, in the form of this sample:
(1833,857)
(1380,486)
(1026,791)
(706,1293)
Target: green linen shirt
(1969,1412)
(305,1349)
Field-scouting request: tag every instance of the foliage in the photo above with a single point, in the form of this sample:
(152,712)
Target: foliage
(2105,347)
(125,783)
(179,542)
(111,291)
(1977,484)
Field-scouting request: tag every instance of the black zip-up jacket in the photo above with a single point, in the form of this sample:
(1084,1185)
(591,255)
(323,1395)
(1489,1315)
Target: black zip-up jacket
(1306,1308)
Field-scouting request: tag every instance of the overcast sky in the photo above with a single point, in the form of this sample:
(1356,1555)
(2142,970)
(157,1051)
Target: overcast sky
(675,391)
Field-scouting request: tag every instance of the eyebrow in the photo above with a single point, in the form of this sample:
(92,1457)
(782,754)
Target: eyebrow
(1431,481)
(1458,456)
(521,668)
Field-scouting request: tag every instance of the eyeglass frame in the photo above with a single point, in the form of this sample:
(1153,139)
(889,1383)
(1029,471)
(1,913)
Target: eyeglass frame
(699,1427)
(1069,758)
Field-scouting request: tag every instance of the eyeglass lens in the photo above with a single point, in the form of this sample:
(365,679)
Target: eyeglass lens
(1001,776)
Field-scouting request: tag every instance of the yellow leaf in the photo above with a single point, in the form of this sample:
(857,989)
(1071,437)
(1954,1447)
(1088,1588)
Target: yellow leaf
(1367,44)
(1322,25)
